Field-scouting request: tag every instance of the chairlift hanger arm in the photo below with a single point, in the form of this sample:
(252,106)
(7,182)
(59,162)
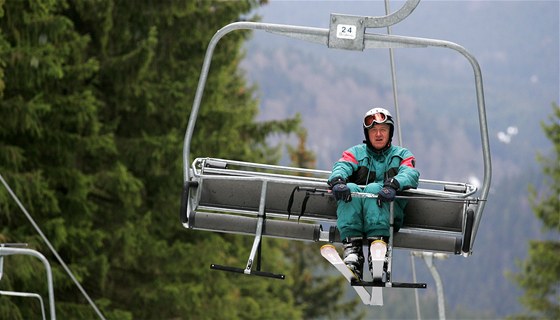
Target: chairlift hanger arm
(318,35)
(393,18)
(390,19)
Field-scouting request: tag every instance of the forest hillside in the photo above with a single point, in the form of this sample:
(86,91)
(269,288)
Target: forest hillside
(519,58)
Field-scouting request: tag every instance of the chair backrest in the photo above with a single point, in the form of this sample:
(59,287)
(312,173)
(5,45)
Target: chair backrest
(244,196)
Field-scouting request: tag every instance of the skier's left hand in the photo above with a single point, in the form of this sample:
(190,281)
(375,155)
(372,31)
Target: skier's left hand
(389,192)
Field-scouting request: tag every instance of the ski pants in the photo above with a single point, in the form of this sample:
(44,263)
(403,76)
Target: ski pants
(362,217)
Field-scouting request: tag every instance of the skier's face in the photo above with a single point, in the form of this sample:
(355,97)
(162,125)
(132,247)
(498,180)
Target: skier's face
(379,135)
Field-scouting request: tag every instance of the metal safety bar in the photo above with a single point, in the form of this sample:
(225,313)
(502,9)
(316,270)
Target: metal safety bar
(208,167)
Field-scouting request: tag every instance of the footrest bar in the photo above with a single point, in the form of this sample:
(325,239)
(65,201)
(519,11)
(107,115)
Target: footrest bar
(388,284)
(250,272)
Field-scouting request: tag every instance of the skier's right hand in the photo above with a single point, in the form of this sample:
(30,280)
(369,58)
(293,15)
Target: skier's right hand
(339,189)
(342,192)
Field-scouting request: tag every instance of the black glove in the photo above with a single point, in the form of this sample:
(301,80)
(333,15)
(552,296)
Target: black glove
(340,190)
(389,191)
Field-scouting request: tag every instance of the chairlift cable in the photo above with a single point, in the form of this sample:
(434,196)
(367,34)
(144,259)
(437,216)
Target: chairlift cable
(394,78)
(53,250)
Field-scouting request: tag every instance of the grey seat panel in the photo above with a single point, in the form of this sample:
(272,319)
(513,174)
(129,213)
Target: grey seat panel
(228,201)
(244,195)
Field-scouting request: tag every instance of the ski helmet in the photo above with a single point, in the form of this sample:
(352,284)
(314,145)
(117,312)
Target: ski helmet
(378,115)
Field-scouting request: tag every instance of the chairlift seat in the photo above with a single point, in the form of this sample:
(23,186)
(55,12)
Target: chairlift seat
(226,196)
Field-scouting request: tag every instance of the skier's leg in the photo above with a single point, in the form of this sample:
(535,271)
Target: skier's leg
(376,219)
(350,225)
(349,216)
(376,222)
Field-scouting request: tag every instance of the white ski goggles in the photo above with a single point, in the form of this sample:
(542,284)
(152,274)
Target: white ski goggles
(372,119)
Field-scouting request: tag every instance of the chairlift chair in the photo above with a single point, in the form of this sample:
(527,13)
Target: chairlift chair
(262,200)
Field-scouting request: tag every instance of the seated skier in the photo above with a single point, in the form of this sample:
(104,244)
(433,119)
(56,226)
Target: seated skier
(376,167)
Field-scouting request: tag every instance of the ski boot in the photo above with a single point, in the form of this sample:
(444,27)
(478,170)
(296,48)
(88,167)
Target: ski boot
(353,256)
(377,257)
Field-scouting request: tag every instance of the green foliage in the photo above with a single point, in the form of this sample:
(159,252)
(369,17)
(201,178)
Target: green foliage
(540,273)
(301,157)
(547,206)
(94,98)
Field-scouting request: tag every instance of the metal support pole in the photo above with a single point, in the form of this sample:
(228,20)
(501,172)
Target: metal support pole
(394,78)
(428,258)
(258,232)
(390,248)
(413,265)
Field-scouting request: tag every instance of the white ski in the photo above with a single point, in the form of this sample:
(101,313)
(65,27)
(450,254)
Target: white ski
(329,252)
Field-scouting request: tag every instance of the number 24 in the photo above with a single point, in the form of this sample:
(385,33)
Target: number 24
(346,30)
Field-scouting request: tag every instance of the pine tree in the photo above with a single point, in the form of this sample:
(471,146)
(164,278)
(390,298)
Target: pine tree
(152,55)
(55,154)
(540,272)
(300,156)
(96,97)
